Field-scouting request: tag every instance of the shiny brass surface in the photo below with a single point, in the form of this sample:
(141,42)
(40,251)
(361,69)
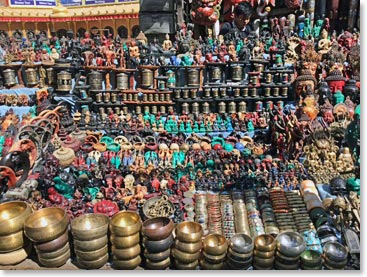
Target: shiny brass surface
(12,216)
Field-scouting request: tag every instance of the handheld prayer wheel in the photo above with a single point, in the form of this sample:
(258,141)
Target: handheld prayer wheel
(171,82)
(276,92)
(95,80)
(222,107)
(154,109)
(267,91)
(177,93)
(50,75)
(242,107)
(185,93)
(215,92)
(206,107)
(185,108)
(138,109)
(223,92)
(147,78)
(162,109)
(195,107)
(216,73)
(207,92)
(269,105)
(167,97)
(193,77)
(232,107)
(259,106)
(244,92)
(236,92)
(253,92)
(122,81)
(236,73)
(64,81)
(9,77)
(31,77)
(284,91)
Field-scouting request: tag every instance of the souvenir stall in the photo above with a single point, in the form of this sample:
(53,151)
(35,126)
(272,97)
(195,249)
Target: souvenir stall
(185,147)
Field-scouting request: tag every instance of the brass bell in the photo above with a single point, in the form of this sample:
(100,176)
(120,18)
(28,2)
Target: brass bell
(64,81)
(122,81)
(95,80)
(9,77)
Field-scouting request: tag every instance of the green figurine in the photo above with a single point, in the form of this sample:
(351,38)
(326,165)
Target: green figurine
(182,127)
(250,126)
(338,97)
(63,188)
(307,28)
(202,127)
(188,127)
(196,127)
(317,28)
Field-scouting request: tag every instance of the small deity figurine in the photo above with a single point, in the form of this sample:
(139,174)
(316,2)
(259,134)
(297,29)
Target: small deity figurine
(54,55)
(317,28)
(345,161)
(167,43)
(324,43)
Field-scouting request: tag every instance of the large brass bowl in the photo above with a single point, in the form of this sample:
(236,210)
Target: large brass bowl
(335,251)
(12,242)
(54,244)
(311,257)
(127,253)
(263,254)
(209,266)
(125,242)
(189,231)
(157,228)
(215,244)
(12,216)
(157,257)
(290,244)
(91,255)
(157,246)
(241,243)
(90,245)
(188,247)
(54,254)
(158,265)
(125,224)
(263,263)
(92,264)
(46,224)
(89,226)
(183,257)
(126,265)
(186,266)
(17,256)
(56,262)
(265,243)
(214,259)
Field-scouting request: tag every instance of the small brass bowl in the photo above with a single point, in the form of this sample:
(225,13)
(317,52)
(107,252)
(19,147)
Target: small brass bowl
(157,228)
(265,243)
(187,266)
(286,259)
(316,267)
(54,254)
(241,243)
(264,262)
(310,257)
(12,216)
(158,265)
(125,224)
(281,266)
(189,231)
(263,254)
(46,224)
(239,264)
(188,247)
(183,257)
(331,263)
(328,267)
(91,255)
(208,266)
(53,245)
(56,262)
(125,242)
(240,257)
(215,244)
(335,251)
(17,256)
(156,246)
(12,242)
(89,226)
(157,257)
(127,253)
(290,244)
(214,259)
(90,245)
(126,265)
(92,264)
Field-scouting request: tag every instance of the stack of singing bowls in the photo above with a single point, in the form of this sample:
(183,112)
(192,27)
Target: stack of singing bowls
(335,255)
(214,252)
(311,260)
(48,229)
(240,252)
(157,241)
(290,246)
(264,253)
(125,239)
(90,240)
(14,246)
(188,243)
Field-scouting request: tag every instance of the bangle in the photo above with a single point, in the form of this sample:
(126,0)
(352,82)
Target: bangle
(87,147)
(114,147)
(139,146)
(101,147)
(152,146)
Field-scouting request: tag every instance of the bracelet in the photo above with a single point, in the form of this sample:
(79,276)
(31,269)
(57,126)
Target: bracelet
(87,147)
(114,147)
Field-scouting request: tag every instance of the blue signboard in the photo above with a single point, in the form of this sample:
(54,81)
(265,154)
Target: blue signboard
(22,2)
(45,3)
(98,2)
(71,2)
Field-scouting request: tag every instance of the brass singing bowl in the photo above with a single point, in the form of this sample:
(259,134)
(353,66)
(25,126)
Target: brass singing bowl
(214,259)
(56,262)
(46,224)
(241,243)
(281,266)
(127,265)
(157,228)
(157,257)
(263,254)
(188,247)
(186,266)
(331,263)
(89,226)
(183,257)
(157,246)
(53,245)
(12,216)
(189,231)
(265,243)
(90,245)
(290,244)
(95,264)
(126,253)
(54,254)
(215,244)
(260,262)
(209,266)
(125,242)
(91,255)
(158,265)
(12,242)
(238,264)
(17,256)
(125,224)
(238,256)
(335,251)
(310,257)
